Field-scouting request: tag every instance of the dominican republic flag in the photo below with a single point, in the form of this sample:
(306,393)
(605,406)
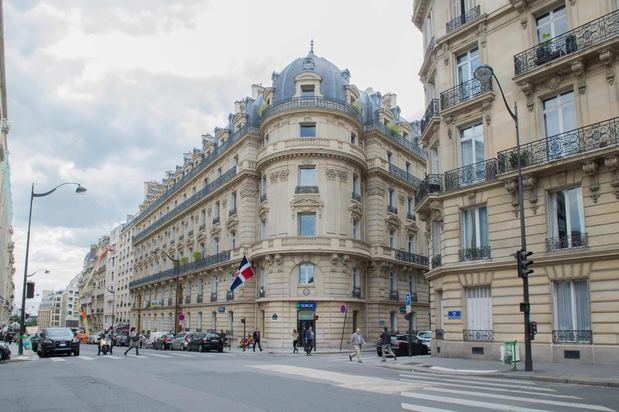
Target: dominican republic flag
(244,274)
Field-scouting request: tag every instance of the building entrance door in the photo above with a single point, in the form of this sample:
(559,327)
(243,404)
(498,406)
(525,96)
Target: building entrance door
(305,319)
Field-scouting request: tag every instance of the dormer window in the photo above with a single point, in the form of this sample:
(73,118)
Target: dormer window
(308,129)
(307,90)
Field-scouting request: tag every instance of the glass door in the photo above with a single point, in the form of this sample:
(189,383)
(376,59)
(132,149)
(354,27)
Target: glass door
(472,155)
(466,64)
(559,121)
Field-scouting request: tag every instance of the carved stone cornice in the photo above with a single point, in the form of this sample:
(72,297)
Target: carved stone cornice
(511,186)
(530,183)
(591,169)
(607,58)
(376,190)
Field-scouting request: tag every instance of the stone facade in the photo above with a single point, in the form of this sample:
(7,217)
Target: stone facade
(70,299)
(313,180)
(124,273)
(555,60)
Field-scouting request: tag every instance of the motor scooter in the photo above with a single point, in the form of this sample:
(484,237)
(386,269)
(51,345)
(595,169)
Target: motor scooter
(105,344)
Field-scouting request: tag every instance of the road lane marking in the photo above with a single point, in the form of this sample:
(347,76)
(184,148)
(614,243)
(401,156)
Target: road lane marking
(85,357)
(159,356)
(494,389)
(469,402)
(346,381)
(521,399)
(499,385)
(441,369)
(112,357)
(57,359)
(137,356)
(471,378)
(419,408)
(184,355)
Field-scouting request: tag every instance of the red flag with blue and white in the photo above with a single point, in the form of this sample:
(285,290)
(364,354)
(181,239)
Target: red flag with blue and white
(244,274)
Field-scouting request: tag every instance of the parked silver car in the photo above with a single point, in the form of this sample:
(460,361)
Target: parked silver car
(425,336)
(181,340)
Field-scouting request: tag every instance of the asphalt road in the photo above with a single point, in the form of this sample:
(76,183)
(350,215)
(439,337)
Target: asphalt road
(247,381)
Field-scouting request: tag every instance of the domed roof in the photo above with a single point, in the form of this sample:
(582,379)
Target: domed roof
(332,84)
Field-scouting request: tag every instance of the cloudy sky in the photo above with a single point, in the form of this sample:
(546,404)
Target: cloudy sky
(110,93)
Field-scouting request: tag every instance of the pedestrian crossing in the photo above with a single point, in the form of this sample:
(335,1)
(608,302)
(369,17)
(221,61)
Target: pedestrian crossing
(142,355)
(452,392)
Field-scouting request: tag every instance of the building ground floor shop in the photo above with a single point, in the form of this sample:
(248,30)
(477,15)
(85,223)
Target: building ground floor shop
(333,321)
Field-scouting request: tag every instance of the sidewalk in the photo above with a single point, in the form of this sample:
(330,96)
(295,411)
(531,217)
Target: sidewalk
(577,373)
(28,354)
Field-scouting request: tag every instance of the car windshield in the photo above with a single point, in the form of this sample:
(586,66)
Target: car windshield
(212,335)
(60,333)
(425,335)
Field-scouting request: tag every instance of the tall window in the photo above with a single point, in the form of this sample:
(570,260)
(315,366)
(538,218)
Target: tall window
(356,229)
(436,238)
(214,284)
(189,287)
(411,244)
(566,219)
(263,228)
(391,198)
(560,117)
(214,321)
(356,278)
(263,186)
(233,201)
(356,186)
(410,206)
(230,322)
(392,238)
(393,321)
(389,157)
(307,176)
(474,232)
(201,290)
(232,239)
(551,24)
(427,30)
(459,7)
(434,160)
(412,284)
(307,90)
(478,308)
(472,145)
(571,306)
(306,273)
(307,224)
(199,325)
(408,168)
(393,282)
(466,63)
(235,160)
(216,210)
(215,245)
(308,129)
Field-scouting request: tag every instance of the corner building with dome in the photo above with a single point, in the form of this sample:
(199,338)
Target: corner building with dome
(314,181)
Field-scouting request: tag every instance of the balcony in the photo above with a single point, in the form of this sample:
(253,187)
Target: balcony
(585,139)
(183,269)
(463,19)
(356,292)
(431,184)
(472,335)
(356,196)
(261,292)
(392,209)
(306,189)
(464,92)
(474,253)
(439,334)
(582,37)
(471,174)
(436,261)
(403,175)
(431,113)
(394,295)
(230,295)
(576,239)
(312,102)
(216,220)
(263,197)
(411,257)
(232,212)
(572,336)
(395,137)
(213,297)
(191,201)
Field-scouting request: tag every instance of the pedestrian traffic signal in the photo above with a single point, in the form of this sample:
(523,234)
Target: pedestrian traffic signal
(523,262)
(533,329)
(29,290)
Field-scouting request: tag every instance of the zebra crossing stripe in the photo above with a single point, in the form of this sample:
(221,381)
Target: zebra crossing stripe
(439,379)
(430,375)
(111,357)
(521,399)
(419,408)
(184,355)
(85,358)
(469,402)
(57,359)
(160,356)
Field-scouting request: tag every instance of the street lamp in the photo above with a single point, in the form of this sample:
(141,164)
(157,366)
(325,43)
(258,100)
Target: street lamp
(176,264)
(485,73)
(35,272)
(22,329)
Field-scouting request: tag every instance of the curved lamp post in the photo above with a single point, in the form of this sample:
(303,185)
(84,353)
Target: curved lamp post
(35,272)
(22,329)
(486,73)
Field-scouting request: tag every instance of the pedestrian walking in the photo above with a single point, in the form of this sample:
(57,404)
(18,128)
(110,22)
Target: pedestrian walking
(224,338)
(256,337)
(134,340)
(357,343)
(295,341)
(385,343)
(309,336)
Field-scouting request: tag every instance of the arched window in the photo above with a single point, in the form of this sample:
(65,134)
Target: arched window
(307,272)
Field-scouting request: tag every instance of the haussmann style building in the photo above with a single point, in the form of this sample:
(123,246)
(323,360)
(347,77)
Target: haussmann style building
(314,181)
(556,59)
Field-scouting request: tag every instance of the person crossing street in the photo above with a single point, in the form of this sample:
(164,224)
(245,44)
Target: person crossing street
(357,343)
(385,343)
(256,337)
(134,340)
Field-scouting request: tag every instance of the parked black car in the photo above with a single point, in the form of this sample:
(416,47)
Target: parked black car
(5,352)
(206,342)
(164,342)
(399,345)
(58,341)
(8,336)
(35,340)
(121,340)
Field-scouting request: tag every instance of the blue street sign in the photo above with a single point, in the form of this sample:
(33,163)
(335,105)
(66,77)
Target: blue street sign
(306,305)
(454,314)
(408,298)
(221,309)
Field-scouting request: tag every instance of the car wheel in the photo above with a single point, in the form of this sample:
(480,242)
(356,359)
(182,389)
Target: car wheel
(220,350)
(1,356)
(42,354)
(34,348)
(201,349)
(76,353)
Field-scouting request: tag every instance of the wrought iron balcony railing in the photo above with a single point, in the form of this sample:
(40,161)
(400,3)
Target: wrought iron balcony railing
(306,189)
(356,292)
(392,209)
(411,257)
(567,144)
(582,37)
(431,184)
(432,111)
(356,196)
(191,201)
(312,102)
(572,336)
(472,335)
(394,295)
(575,239)
(464,92)
(439,334)
(396,137)
(403,175)
(263,197)
(230,295)
(216,220)
(436,261)
(232,212)
(474,253)
(471,174)
(182,269)
(206,161)
(464,18)
(213,297)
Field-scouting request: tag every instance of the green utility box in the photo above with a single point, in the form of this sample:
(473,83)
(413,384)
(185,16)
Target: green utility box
(510,353)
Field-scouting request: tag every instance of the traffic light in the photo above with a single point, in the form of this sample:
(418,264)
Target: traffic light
(29,290)
(523,262)
(533,329)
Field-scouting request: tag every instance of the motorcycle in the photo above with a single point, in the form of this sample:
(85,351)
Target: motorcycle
(106,345)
